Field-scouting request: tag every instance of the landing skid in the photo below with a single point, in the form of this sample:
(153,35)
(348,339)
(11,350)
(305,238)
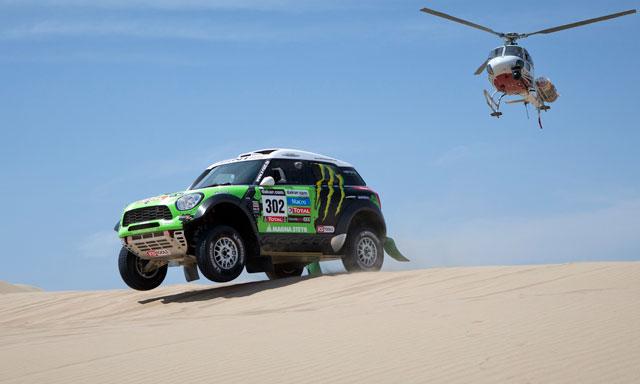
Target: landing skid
(494,105)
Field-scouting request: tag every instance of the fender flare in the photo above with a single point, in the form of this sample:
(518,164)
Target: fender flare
(212,202)
(359,206)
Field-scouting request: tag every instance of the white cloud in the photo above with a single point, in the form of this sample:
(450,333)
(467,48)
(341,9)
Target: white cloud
(453,155)
(603,234)
(100,245)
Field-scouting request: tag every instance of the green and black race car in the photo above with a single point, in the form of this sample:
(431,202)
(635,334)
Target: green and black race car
(273,211)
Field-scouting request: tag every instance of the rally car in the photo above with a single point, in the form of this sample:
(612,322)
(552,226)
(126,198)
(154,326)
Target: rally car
(272,210)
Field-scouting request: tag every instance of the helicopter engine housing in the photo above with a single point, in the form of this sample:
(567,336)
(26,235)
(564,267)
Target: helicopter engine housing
(546,89)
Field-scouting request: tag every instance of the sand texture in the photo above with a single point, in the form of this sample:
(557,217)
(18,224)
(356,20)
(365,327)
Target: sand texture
(573,323)
(16,288)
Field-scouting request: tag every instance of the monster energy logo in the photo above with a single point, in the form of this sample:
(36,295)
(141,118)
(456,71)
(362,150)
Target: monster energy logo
(319,185)
(324,170)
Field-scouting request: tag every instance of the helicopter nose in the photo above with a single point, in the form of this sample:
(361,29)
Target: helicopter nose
(502,65)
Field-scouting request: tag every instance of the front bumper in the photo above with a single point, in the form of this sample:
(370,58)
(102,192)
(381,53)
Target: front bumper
(161,245)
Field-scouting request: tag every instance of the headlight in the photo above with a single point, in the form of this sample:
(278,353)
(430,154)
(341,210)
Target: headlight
(189,201)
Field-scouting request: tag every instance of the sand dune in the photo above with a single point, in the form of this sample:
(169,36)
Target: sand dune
(575,323)
(16,288)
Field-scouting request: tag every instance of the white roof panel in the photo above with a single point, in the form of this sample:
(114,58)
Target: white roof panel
(283,153)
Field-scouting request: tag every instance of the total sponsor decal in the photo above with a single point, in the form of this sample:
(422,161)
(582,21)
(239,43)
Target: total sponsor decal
(285,229)
(274,219)
(299,201)
(158,252)
(325,229)
(299,210)
(299,219)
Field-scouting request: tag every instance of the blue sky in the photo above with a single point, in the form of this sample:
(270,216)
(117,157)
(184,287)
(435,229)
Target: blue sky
(107,101)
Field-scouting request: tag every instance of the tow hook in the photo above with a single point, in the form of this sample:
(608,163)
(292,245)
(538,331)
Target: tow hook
(185,218)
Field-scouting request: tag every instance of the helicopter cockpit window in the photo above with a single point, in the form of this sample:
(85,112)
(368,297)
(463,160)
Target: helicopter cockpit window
(512,50)
(495,53)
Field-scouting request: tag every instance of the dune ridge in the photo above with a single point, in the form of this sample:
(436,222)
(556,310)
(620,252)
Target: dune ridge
(574,323)
(17,288)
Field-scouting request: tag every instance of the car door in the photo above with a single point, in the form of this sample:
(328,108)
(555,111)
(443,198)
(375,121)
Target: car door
(329,196)
(288,207)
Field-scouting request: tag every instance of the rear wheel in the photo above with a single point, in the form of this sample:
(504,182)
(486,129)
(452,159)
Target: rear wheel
(281,271)
(221,254)
(364,252)
(136,272)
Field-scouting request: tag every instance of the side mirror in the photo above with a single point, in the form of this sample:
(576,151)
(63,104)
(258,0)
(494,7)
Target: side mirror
(268,181)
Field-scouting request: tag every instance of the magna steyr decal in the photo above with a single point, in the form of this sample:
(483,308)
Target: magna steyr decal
(329,175)
(280,228)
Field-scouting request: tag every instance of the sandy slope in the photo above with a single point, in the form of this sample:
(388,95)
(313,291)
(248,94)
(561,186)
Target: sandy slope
(16,288)
(575,323)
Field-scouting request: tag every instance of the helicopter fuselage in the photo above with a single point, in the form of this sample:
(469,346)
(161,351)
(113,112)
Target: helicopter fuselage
(510,70)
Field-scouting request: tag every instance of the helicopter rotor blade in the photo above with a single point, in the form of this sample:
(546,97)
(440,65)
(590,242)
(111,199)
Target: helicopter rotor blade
(581,23)
(481,68)
(461,21)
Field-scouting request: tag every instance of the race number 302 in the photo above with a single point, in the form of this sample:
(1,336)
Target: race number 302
(274,205)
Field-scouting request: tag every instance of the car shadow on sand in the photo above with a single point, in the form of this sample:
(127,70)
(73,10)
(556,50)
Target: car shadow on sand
(225,291)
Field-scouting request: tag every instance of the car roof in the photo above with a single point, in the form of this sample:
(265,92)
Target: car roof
(283,153)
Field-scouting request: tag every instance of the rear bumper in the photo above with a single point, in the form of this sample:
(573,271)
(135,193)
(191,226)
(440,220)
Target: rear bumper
(160,245)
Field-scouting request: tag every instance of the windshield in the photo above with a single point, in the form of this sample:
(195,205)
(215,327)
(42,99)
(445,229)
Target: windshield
(513,50)
(495,53)
(237,173)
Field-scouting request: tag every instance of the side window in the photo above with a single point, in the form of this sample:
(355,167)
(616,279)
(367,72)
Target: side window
(286,172)
(352,177)
(325,173)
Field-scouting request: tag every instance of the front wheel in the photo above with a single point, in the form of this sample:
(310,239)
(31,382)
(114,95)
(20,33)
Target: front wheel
(221,254)
(364,252)
(281,271)
(136,273)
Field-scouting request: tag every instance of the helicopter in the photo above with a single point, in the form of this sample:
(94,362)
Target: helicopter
(510,66)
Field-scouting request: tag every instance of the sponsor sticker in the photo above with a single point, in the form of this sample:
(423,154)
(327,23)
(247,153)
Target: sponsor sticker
(299,210)
(300,201)
(158,252)
(278,192)
(297,193)
(299,219)
(264,168)
(274,219)
(274,205)
(256,206)
(282,228)
(325,229)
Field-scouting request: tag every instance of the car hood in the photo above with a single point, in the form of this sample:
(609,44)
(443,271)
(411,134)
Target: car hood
(169,199)
(166,199)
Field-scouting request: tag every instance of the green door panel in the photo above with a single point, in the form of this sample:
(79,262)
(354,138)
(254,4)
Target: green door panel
(287,209)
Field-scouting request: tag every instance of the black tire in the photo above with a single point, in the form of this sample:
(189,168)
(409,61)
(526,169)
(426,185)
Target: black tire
(282,271)
(221,254)
(131,270)
(364,251)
